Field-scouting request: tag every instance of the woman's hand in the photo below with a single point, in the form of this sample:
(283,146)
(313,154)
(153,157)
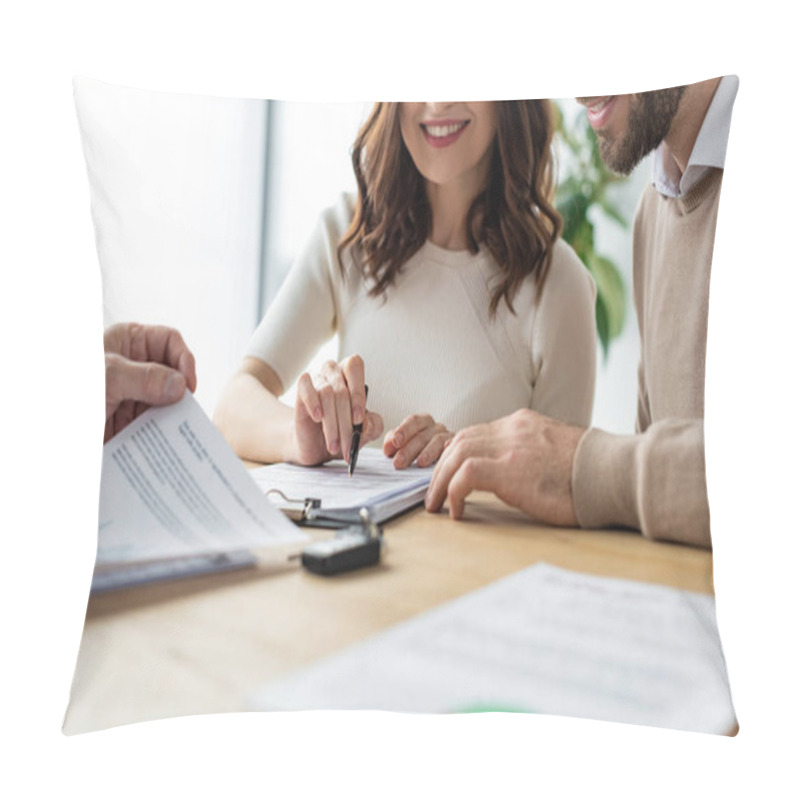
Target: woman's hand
(417,437)
(327,407)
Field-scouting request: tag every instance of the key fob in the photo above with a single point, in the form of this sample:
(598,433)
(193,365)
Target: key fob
(351,548)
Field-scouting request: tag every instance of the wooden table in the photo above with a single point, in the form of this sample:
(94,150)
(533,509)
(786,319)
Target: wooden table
(203,644)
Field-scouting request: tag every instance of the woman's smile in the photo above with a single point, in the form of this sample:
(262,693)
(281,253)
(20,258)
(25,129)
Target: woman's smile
(443,132)
(450,143)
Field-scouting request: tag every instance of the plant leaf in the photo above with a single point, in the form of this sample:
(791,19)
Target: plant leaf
(583,187)
(611,288)
(612,211)
(601,315)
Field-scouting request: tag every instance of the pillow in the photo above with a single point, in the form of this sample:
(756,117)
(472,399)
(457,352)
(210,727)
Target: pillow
(201,204)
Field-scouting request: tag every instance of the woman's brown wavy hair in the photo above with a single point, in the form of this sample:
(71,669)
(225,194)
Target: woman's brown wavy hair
(514,216)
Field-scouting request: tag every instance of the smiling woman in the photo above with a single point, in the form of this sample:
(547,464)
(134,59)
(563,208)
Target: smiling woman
(487,183)
(447,283)
(450,146)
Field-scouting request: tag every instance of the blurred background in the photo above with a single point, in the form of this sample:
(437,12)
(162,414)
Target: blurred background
(201,203)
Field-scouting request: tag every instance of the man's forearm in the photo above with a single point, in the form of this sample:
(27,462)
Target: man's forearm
(653,482)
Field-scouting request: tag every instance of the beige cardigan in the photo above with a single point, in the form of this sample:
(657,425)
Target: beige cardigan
(654,481)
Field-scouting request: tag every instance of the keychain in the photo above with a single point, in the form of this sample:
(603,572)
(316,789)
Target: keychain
(352,547)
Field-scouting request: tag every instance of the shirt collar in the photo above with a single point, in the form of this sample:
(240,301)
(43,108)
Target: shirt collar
(709,147)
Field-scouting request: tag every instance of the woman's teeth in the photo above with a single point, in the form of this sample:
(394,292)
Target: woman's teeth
(440,131)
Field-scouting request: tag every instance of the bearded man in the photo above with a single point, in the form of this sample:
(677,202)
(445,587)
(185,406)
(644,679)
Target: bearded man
(654,480)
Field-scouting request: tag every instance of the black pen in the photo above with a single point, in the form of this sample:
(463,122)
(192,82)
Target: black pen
(355,442)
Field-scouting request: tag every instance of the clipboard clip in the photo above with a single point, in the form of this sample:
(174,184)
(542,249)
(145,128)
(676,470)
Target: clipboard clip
(298,510)
(370,528)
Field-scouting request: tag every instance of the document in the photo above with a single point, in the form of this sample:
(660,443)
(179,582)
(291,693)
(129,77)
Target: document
(375,484)
(171,488)
(543,640)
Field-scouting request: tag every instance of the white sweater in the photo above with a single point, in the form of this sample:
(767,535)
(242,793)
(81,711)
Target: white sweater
(430,345)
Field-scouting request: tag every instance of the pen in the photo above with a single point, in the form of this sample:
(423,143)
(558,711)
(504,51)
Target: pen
(356,440)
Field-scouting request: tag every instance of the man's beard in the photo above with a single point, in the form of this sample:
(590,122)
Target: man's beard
(649,120)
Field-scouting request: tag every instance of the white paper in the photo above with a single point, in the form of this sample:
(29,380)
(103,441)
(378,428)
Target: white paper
(543,640)
(374,482)
(171,486)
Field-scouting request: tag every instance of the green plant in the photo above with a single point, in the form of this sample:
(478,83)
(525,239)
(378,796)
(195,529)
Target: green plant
(583,185)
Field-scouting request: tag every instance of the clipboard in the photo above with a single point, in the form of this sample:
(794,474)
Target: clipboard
(138,574)
(325,496)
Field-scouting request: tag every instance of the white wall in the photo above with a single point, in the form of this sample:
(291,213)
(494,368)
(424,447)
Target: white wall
(177,203)
(309,167)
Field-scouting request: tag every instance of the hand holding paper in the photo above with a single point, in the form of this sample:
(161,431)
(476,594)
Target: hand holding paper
(171,487)
(146,365)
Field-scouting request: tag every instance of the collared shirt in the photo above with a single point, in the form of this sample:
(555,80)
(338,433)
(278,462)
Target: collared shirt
(709,147)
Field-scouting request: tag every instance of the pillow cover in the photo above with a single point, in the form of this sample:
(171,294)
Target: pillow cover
(201,204)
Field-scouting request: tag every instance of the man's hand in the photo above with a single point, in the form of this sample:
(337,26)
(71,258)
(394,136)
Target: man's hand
(146,365)
(525,459)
